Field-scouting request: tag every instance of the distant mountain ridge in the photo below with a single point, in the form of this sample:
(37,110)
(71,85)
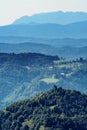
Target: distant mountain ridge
(59,17)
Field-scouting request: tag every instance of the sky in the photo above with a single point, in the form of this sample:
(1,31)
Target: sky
(13,9)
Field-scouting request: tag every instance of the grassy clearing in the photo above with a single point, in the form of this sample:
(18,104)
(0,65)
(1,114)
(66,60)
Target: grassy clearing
(42,127)
(50,80)
(29,123)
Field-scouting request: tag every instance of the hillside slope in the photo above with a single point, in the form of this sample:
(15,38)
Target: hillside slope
(56,109)
(23,75)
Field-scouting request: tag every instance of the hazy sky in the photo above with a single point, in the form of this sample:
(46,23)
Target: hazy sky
(13,9)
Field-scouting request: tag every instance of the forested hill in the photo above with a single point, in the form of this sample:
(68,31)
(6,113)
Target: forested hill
(56,109)
(27,58)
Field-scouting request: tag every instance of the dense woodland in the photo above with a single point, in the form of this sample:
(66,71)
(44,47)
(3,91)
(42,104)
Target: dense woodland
(56,109)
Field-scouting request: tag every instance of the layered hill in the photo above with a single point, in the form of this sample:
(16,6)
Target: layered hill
(25,74)
(70,48)
(75,30)
(56,109)
(57,42)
